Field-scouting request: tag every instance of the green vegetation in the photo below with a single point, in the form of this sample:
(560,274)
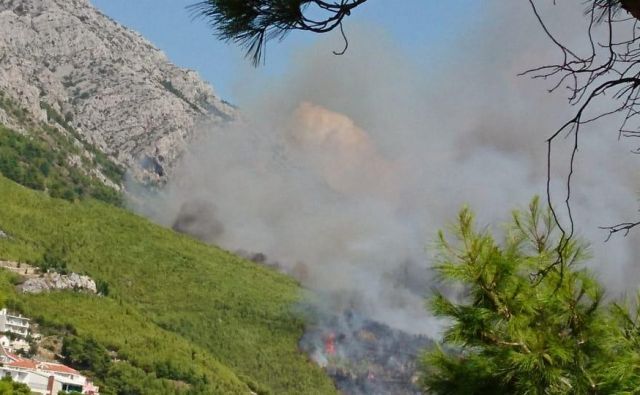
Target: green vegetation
(169,87)
(40,160)
(21,115)
(181,316)
(9,387)
(52,261)
(512,336)
(111,170)
(31,162)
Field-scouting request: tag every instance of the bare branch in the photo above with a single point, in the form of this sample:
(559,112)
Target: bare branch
(613,65)
(346,42)
(624,227)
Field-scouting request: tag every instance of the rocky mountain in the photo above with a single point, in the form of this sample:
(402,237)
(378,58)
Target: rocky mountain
(116,90)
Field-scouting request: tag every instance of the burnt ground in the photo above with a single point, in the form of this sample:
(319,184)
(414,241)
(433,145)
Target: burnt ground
(364,356)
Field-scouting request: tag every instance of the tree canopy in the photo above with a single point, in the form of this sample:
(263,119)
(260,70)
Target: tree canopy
(10,387)
(507,336)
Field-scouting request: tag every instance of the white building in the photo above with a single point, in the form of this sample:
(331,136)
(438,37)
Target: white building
(13,323)
(14,344)
(44,378)
(38,383)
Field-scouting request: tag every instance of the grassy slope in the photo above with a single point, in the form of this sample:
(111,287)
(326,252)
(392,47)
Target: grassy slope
(171,297)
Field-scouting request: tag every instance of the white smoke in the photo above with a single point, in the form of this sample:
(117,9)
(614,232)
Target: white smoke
(343,170)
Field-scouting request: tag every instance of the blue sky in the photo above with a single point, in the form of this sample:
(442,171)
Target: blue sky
(422,29)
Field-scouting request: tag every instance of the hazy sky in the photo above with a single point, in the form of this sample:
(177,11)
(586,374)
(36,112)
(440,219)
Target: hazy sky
(420,28)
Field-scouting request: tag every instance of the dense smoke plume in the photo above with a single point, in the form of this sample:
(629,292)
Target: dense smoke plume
(343,170)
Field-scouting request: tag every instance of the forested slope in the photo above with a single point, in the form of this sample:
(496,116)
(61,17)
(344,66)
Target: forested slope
(180,315)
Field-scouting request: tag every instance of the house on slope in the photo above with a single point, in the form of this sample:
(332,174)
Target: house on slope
(44,378)
(13,323)
(14,330)
(14,344)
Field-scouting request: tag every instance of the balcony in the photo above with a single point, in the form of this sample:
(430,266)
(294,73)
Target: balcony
(23,324)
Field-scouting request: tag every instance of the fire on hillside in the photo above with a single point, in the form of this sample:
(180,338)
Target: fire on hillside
(364,356)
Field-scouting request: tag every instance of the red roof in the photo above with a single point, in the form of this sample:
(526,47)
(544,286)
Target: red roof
(57,367)
(31,364)
(45,366)
(24,363)
(13,356)
(8,354)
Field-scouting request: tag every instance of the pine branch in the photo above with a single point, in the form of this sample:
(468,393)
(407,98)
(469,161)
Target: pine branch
(252,23)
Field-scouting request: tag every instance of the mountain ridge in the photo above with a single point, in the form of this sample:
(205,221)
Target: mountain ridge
(114,87)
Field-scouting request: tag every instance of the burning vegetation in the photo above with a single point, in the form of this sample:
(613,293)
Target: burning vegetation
(363,356)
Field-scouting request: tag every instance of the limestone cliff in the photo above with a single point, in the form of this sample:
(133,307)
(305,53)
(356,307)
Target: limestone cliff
(114,88)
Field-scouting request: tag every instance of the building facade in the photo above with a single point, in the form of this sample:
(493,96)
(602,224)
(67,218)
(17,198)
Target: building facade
(44,378)
(13,323)
(14,344)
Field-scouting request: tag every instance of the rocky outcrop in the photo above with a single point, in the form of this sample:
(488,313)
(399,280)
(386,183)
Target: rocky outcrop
(114,88)
(52,281)
(3,235)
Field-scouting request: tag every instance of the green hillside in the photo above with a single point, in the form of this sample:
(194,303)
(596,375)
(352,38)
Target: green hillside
(52,157)
(180,315)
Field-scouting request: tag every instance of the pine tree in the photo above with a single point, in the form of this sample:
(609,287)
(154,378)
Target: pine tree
(513,331)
